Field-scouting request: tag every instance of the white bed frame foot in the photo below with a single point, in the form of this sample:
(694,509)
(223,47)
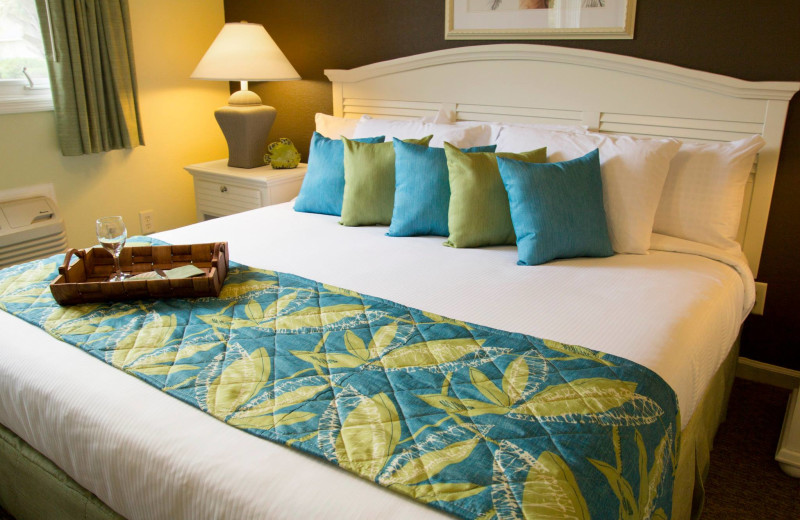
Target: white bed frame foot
(788,454)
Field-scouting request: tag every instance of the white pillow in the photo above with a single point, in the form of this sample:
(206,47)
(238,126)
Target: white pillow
(461,136)
(575,129)
(334,127)
(633,172)
(442,117)
(498,127)
(702,197)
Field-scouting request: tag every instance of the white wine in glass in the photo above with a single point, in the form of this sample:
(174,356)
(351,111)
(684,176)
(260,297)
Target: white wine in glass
(112,234)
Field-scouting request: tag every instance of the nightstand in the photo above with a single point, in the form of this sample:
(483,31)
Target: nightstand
(221,190)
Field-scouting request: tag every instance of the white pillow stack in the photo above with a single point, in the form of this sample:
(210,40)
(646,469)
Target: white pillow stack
(702,198)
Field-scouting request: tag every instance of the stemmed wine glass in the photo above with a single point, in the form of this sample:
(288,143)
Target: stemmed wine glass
(112,234)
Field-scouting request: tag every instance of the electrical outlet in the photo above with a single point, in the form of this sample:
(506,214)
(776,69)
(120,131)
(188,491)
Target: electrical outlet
(761,295)
(147,221)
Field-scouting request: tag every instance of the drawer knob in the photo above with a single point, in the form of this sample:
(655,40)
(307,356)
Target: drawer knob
(223,189)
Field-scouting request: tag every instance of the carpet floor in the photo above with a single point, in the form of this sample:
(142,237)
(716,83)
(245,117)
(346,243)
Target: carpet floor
(745,482)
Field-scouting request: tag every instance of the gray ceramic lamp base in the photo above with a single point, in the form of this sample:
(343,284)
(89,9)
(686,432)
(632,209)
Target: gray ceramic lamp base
(246,128)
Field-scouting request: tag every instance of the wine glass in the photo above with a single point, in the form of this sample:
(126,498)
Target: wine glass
(112,234)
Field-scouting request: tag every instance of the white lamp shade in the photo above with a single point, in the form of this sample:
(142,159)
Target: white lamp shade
(244,52)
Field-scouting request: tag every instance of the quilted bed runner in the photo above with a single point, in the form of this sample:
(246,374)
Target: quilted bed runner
(475,421)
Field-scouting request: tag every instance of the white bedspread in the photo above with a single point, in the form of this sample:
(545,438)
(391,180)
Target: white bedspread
(676,310)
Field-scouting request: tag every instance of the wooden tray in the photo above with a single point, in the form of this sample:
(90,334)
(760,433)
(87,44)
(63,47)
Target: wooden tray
(87,279)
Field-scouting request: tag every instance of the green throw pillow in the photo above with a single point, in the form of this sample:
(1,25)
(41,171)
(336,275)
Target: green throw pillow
(479,213)
(369,182)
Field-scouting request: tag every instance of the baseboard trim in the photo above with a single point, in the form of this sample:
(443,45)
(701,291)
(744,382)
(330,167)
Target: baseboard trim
(769,374)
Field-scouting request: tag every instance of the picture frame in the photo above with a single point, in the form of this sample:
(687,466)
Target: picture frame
(539,19)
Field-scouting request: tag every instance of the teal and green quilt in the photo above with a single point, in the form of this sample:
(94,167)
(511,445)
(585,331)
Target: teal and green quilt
(475,421)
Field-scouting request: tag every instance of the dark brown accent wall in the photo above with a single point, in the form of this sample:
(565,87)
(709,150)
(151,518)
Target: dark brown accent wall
(751,40)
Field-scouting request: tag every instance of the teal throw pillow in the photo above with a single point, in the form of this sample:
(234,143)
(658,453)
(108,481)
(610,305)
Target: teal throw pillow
(323,186)
(557,208)
(422,189)
(369,182)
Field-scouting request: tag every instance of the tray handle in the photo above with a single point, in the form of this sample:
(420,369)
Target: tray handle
(218,247)
(64,269)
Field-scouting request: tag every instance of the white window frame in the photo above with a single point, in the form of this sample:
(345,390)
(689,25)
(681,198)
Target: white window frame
(20,95)
(17,97)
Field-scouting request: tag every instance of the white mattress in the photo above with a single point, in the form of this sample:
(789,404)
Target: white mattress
(676,310)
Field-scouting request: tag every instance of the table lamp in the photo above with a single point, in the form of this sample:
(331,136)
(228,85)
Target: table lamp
(245,52)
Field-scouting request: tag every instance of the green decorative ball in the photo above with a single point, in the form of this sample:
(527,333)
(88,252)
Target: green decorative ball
(282,154)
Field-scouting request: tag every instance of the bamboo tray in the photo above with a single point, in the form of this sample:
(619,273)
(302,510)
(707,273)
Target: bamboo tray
(87,280)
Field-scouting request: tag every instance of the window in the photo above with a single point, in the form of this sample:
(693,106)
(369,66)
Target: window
(24,83)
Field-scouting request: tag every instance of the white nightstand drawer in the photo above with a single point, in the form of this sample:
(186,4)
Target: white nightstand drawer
(226,193)
(222,190)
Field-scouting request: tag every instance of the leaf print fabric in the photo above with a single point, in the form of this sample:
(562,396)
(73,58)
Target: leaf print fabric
(477,422)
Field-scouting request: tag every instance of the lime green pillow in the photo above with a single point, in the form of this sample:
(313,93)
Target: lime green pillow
(369,182)
(479,213)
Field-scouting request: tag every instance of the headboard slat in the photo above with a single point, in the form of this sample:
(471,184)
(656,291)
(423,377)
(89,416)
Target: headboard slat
(682,133)
(463,109)
(746,127)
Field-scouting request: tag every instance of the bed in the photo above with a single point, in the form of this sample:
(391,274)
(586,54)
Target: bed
(85,439)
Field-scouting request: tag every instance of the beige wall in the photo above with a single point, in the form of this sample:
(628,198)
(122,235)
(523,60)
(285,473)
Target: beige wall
(177,118)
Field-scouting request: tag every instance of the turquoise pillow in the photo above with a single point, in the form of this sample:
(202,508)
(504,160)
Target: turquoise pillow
(323,186)
(369,182)
(557,208)
(422,189)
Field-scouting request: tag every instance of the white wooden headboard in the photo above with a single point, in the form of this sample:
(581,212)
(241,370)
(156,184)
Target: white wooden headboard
(606,92)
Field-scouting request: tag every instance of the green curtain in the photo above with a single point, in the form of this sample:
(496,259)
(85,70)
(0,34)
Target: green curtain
(92,74)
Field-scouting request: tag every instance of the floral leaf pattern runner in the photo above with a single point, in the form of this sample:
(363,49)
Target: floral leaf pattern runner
(475,421)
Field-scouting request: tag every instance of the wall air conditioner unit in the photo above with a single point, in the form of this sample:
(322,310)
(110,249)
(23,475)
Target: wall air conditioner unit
(30,228)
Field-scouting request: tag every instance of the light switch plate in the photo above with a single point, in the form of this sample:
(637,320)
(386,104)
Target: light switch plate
(761,295)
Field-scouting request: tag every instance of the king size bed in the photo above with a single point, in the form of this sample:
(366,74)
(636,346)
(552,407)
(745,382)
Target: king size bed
(89,440)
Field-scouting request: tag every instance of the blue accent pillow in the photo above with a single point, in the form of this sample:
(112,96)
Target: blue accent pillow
(422,189)
(557,208)
(323,186)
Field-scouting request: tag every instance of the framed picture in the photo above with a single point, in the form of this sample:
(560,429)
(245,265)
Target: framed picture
(539,19)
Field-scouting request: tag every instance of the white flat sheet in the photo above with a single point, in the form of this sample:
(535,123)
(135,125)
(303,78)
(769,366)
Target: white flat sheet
(676,310)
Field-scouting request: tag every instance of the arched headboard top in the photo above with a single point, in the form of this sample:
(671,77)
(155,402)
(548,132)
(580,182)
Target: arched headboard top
(604,92)
(725,85)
